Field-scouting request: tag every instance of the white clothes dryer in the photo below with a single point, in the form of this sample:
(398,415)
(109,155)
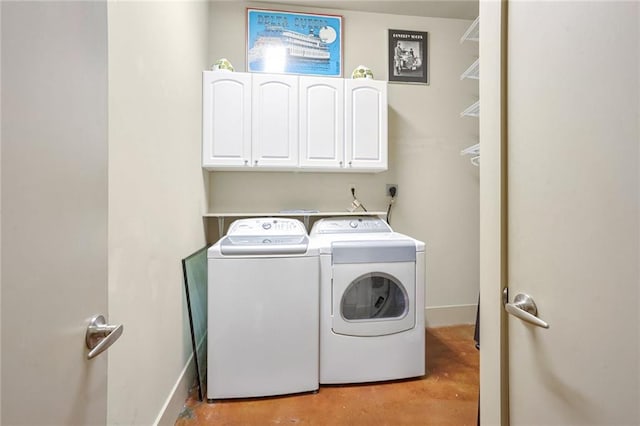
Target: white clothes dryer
(263,310)
(372,290)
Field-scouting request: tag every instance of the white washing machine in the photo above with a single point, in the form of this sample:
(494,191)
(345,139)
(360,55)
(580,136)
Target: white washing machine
(263,310)
(372,289)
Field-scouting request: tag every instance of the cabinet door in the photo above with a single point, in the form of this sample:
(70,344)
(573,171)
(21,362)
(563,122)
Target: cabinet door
(226,119)
(366,124)
(274,139)
(321,122)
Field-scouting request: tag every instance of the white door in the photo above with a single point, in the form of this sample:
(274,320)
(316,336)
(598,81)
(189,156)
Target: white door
(573,213)
(365,124)
(54,210)
(321,122)
(275,121)
(226,119)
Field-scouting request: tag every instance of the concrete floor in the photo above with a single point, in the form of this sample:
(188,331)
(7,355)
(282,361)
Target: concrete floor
(446,395)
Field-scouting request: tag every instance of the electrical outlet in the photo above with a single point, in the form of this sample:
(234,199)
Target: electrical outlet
(387,189)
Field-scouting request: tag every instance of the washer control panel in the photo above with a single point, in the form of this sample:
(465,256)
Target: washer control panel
(267,227)
(342,225)
(265,236)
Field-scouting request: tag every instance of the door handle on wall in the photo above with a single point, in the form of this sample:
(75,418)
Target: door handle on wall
(101,335)
(525,308)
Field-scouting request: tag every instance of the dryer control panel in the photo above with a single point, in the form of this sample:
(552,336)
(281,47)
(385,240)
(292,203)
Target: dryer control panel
(344,225)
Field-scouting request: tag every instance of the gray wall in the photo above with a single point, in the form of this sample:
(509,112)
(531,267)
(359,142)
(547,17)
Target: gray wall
(157,51)
(438,189)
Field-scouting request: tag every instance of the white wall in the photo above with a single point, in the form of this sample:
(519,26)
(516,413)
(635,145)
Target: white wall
(438,189)
(156,196)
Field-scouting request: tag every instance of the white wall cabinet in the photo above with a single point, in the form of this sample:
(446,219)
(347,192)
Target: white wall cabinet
(321,122)
(285,122)
(274,130)
(226,119)
(366,124)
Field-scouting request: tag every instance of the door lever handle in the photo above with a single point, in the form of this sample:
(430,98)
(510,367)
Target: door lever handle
(101,335)
(525,308)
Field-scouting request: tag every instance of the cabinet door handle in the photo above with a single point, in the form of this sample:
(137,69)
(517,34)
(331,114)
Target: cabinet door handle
(255,163)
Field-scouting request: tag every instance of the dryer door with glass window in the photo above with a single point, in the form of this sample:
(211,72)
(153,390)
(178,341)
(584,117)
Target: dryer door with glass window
(373,299)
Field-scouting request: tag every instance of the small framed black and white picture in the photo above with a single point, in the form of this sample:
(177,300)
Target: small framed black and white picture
(408,60)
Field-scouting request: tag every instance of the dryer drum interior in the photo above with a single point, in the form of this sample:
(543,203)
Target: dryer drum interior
(374,296)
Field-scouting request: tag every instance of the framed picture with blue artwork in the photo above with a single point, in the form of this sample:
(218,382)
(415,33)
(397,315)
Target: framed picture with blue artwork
(294,43)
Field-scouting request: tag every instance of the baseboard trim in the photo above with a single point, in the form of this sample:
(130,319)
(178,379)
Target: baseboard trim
(178,395)
(442,316)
